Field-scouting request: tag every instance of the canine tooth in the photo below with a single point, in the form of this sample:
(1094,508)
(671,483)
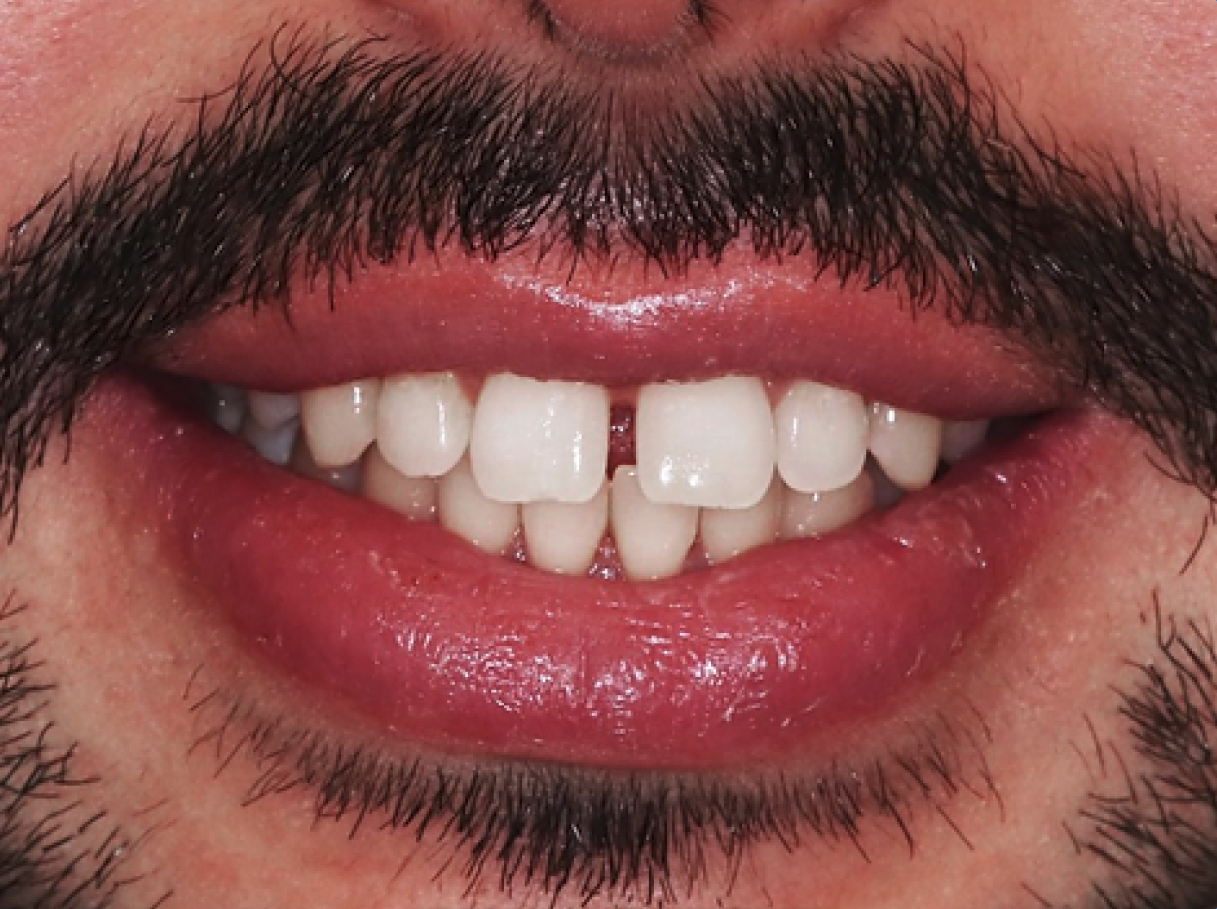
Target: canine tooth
(563,537)
(423,425)
(414,497)
(273,410)
(960,439)
(464,510)
(652,539)
(228,407)
(809,514)
(906,445)
(705,443)
(536,441)
(821,437)
(727,532)
(275,445)
(340,421)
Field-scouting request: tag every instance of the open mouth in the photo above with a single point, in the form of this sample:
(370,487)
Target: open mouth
(711,569)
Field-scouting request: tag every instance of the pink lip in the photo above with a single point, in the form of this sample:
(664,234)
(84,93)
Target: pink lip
(448,647)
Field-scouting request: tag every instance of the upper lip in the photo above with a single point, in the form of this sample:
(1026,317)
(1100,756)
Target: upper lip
(736,317)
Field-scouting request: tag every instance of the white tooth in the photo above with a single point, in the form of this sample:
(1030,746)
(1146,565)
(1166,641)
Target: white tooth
(564,537)
(228,407)
(652,540)
(960,439)
(705,443)
(346,478)
(906,445)
(340,421)
(414,497)
(275,445)
(809,514)
(464,510)
(727,532)
(273,410)
(424,423)
(536,441)
(821,437)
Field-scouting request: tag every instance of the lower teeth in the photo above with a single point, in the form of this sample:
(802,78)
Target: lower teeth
(619,533)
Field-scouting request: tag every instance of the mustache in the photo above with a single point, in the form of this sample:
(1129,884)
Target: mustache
(325,156)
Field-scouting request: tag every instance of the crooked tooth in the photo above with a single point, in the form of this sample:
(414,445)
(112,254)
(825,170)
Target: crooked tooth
(275,445)
(961,438)
(414,497)
(423,423)
(809,514)
(564,537)
(728,532)
(906,445)
(705,443)
(536,441)
(467,512)
(821,437)
(273,410)
(340,421)
(653,540)
(228,407)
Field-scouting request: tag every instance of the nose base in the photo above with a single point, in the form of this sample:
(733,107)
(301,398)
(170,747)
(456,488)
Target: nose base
(625,28)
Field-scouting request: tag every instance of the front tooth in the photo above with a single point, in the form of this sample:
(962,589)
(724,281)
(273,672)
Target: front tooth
(536,441)
(414,497)
(346,478)
(464,510)
(728,532)
(906,445)
(821,437)
(273,410)
(340,421)
(809,514)
(960,439)
(424,423)
(275,445)
(564,537)
(705,443)
(652,540)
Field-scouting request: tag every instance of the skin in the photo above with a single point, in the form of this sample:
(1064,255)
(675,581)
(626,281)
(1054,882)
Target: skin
(121,635)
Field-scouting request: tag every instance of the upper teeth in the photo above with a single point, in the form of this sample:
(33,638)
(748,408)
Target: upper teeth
(733,461)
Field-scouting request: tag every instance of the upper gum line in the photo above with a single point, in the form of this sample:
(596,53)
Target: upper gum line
(727,463)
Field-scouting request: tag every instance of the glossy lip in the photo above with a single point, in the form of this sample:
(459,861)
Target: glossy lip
(446,647)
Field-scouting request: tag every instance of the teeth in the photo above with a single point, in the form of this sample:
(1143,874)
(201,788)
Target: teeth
(272,410)
(564,537)
(522,473)
(414,497)
(535,441)
(960,439)
(424,423)
(228,407)
(705,443)
(821,437)
(728,532)
(464,510)
(810,514)
(906,445)
(340,421)
(653,540)
(275,445)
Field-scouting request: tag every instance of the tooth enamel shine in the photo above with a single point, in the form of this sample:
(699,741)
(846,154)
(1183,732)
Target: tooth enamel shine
(705,443)
(539,441)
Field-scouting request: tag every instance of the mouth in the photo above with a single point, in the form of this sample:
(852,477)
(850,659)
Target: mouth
(682,524)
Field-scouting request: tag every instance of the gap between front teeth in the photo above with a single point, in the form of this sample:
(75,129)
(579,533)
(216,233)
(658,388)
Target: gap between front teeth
(722,466)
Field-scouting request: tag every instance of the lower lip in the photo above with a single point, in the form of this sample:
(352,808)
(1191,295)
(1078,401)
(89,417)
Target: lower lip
(444,646)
